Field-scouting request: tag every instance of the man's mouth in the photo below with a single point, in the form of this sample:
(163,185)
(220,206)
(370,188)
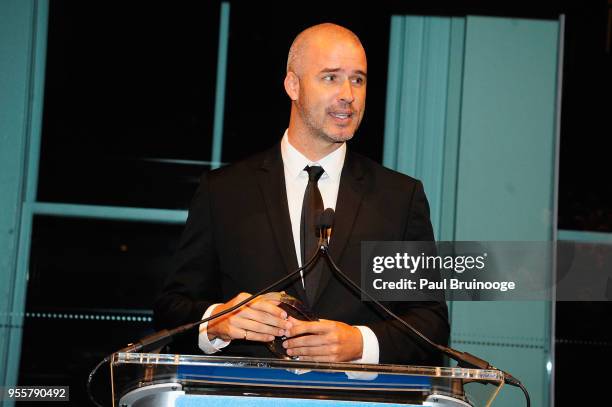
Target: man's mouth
(341,115)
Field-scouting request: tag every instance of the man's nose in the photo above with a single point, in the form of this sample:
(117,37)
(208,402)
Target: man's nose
(346,92)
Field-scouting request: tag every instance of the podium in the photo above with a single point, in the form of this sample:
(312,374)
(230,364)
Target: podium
(151,379)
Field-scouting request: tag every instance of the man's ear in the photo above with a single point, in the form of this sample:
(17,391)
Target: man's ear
(292,85)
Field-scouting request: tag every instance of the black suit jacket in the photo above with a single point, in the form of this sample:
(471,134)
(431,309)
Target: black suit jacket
(238,239)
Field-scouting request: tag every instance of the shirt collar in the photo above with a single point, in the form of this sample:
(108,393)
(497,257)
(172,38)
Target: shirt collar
(295,162)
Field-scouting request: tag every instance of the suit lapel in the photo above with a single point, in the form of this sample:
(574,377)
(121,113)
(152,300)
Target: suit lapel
(350,195)
(271,178)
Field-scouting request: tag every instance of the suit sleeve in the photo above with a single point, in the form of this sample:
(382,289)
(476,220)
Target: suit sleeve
(397,344)
(193,284)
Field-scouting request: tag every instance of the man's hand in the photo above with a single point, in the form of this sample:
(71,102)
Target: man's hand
(259,320)
(325,341)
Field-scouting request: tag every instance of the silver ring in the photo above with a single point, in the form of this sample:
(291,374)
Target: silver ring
(246,332)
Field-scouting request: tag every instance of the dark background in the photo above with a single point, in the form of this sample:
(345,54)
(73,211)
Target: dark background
(128,120)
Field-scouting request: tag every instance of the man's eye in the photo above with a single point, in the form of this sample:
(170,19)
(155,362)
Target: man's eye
(329,77)
(358,81)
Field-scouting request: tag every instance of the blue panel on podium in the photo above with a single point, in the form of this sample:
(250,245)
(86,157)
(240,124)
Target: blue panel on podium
(312,379)
(239,401)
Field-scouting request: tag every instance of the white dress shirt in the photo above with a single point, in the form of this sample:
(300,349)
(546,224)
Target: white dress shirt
(296,180)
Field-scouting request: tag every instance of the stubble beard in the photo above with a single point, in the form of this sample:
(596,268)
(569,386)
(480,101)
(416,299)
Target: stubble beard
(318,129)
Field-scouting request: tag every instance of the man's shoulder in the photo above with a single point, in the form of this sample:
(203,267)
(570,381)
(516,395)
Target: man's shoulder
(247,166)
(381,174)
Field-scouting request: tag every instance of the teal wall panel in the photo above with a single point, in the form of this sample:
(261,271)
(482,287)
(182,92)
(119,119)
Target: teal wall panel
(417,101)
(506,170)
(23,30)
(506,173)
(478,128)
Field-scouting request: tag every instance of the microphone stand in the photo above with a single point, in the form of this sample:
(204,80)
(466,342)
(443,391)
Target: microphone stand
(463,359)
(163,337)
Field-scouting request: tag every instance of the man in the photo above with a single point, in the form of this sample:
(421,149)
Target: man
(246,228)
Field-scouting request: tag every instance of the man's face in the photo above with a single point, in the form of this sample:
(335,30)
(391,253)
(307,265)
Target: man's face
(332,85)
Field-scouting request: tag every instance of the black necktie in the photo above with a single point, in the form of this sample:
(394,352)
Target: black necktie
(312,207)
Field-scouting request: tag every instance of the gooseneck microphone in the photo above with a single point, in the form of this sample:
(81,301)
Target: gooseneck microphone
(325,227)
(463,359)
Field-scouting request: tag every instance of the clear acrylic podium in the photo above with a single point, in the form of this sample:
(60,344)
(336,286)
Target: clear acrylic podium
(151,379)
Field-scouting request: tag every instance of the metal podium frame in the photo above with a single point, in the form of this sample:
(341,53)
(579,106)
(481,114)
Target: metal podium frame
(151,379)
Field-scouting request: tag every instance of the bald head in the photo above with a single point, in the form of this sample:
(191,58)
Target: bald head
(312,35)
(326,82)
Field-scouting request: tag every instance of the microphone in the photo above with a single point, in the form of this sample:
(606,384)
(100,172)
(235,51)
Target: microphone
(463,359)
(326,219)
(324,225)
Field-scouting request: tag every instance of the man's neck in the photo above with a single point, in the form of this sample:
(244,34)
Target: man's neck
(312,147)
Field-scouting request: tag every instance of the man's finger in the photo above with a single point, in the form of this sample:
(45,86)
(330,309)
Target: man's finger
(309,327)
(306,340)
(273,296)
(258,327)
(269,307)
(241,297)
(265,318)
(240,333)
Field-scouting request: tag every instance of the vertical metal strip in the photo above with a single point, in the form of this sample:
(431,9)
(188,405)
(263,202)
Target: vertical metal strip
(421,98)
(450,166)
(217,141)
(452,129)
(555,214)
(19,292)
(36,96)
(33,135)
